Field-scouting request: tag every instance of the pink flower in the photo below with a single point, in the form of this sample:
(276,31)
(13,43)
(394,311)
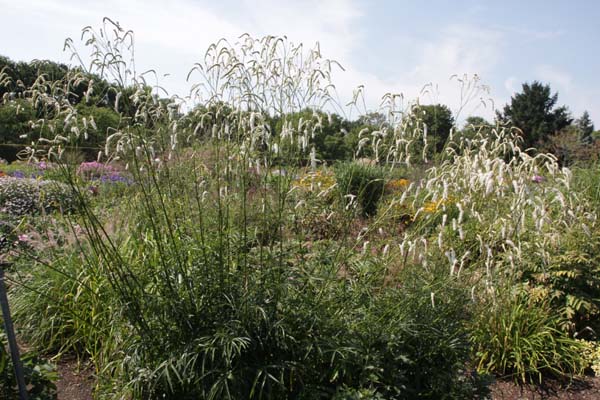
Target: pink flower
(23,238)
(537,179)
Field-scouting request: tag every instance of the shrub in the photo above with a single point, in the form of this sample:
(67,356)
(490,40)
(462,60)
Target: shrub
(365,182)
(39,375)
(569,280)
(20,196)
(591,354)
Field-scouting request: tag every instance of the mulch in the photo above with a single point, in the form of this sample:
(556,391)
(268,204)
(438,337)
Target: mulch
(76,382)
(586,389)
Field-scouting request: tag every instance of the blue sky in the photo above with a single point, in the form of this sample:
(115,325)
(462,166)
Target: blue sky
(388,46)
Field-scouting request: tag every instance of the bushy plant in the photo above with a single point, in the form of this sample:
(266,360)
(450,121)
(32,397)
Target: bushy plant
(591,355)
(20,196)
(62,309)
(40,375)
(363,182)
(570,280)
(516,337)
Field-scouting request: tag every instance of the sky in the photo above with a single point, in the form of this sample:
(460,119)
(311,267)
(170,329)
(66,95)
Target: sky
(387,46)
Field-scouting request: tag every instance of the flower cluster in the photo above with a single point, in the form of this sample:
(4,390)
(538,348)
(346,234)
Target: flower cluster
(537,179)
(95,171)
(431,207)
(591,354)
(316,181)
(35,171)
(396,185)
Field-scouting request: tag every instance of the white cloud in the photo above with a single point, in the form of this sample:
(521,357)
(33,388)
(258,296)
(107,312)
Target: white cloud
(510,84)
(556,77)
(172,37)
(455,50)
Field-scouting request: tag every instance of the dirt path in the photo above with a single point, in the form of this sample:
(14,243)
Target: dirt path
(75,381)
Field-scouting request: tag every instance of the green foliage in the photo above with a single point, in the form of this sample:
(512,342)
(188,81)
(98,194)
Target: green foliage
(20,196)
(364,182)
(23,75)
(308,334)
(586,128)
(569,148)
(533,112)
(586,181)
(570,280)
(15,126)
(327,133)
(439,121)
(474,125)
(105,122)
(62,309)
(364,125)
(523,339)
(39,375)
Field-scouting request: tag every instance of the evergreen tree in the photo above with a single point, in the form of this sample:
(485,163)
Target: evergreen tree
(586,128)
(533,112)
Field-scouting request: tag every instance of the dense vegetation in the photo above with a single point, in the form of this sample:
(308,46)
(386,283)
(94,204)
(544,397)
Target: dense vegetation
(258,246)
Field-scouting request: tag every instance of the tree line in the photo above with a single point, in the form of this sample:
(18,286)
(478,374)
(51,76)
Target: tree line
(541,122)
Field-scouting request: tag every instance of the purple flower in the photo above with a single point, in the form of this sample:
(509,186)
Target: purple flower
(94,169)
(537,179)
(18,174)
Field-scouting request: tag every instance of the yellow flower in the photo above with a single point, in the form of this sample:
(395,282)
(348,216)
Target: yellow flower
(432,206)
(397,184)
(315,181)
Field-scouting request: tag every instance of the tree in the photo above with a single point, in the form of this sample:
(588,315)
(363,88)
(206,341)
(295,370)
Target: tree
(22,75)
(586,128)
(439,121)
(328,137)
(533,112)
(475,125)
(15,129)
(366,123)
(372,119)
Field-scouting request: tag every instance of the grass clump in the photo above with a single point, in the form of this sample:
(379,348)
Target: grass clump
(364,183)
(523,340)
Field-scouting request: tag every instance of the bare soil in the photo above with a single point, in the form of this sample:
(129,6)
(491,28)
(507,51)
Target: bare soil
(75,382)
(586,389)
